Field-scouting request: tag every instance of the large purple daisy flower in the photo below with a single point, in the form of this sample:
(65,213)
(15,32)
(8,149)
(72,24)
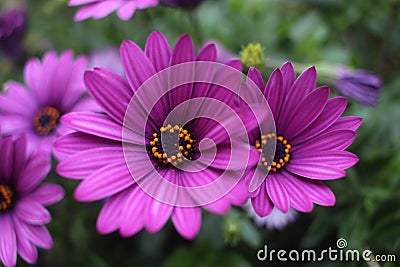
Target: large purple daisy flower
(310,139)
(97,153)
(53,87)
(98,9)
(22,201)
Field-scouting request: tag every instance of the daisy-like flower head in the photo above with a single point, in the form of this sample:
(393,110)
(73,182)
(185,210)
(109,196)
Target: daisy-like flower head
(310,141)
(142,160)
(12,30)
(23,198)
(54,86)
(98,9)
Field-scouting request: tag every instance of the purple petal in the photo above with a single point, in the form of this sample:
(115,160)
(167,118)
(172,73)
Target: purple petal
(305,113)
(109,218)
(158,50)
(26,249)
(20,154)
(256,77)
(8,241)
(32,212)
(104,182)
(289,76)
(318,192)
(157,214)
(17,100)
(86,162)
(132,220)
(47,194)
(7,159)
(137,66)
(331,112)
(96,124)
(75,142)
(187,221)
(333,140)
(315,170)
(36,169)
(298,196)
(262,203)
(274,92)
(37,234)
(339,159)
(109,94)
(346,123)
(277,193)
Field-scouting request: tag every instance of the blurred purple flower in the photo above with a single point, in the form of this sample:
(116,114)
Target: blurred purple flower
(23,198)
(54,86)
(182,3)
(310,141)
(107,58)
(12,31)
(275,220)
(360,85)
(98,9)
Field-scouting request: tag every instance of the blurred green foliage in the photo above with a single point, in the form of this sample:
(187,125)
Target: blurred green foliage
(360,33)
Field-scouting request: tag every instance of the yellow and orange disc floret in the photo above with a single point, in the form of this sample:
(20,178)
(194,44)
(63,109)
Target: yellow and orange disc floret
(282,152)
(6,198)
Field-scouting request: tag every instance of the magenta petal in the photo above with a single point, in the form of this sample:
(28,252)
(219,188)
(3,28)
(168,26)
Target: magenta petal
(32,212)
(76,142)
(338,159)
(334,140)
(109,218)
(298,196)
(274,92)
(47,194)
(92,123)
(220,206)
(108,94)
(305,113)
(86,162)
(17,100)
(158,50)
(346,123)
(183,50)
(20,153)
(262,203)
(289,75)
(331,112)
(277,193)
(26,249)
(137,66)
(187,221)
(157,214)
(37,234)
(7,159)
(8,241)
(132,220)
(36,169)
(318,192)
(104,182)
(315,170)
(256,77)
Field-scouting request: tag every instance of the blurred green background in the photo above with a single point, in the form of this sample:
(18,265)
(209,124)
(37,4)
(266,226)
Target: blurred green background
(362,34)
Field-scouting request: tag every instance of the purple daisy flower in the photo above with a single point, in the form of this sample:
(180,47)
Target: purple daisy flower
(53,87)
(310,139)
(98,9)
(113,171)
(360,85)
(189,4)
(22,202)
(12,30)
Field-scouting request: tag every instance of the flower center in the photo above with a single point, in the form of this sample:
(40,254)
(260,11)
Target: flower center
(46,120)
(282,152)
(6,197)
(176,147)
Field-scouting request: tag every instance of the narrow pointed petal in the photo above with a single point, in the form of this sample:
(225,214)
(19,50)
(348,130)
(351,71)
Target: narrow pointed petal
(32,212)
(132,220)
(36,169)
(277,193)
(8,241)
(346,123)
(47,194)
(315,170)
(261,203)
(318,192)
(76,142)
(158,50)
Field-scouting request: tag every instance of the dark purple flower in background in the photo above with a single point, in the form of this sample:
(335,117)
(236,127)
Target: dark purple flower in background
(360,85)
(182,3)
(23,198)
(12,30)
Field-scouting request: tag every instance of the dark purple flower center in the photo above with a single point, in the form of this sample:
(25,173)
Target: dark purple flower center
(6,197)
(172,145)
(282,152)
(46,120)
